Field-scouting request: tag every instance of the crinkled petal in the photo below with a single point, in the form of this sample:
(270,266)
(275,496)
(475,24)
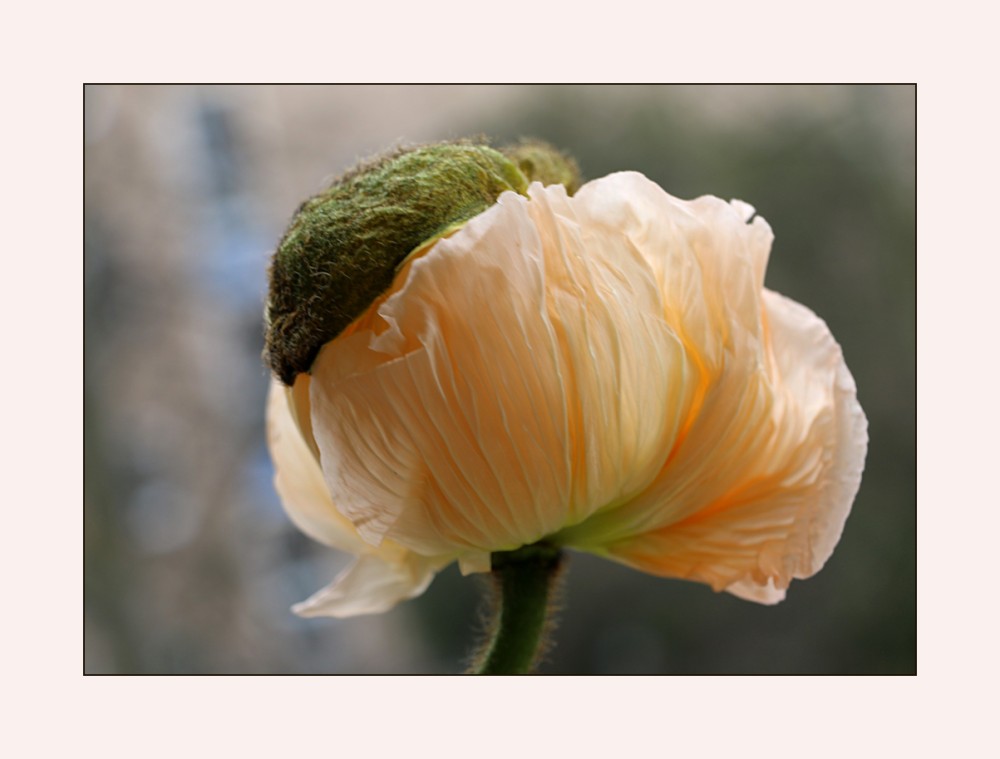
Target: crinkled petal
(778,515)
(802,340)
(520,377)
(381,576)
(748,590)
(370,585)
(298,477)
(708,263)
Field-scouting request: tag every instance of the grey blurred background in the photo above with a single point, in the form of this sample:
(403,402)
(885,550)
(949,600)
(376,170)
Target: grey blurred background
(191,565)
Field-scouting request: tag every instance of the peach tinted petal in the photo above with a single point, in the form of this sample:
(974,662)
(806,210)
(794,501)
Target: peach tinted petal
(801,338)
(708,262)
(413,421)
(782,514)
(370,585)
(624,368)
(709,265)
(521,378)
(474,563)
(299,479)
(381,576)
(765,594)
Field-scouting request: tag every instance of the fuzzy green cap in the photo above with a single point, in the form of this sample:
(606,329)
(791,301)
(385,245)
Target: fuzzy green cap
(343,247)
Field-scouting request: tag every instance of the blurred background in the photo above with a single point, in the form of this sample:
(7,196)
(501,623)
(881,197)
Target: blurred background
(191,565)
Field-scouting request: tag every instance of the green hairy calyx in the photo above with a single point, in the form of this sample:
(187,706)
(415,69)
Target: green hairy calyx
(344,245)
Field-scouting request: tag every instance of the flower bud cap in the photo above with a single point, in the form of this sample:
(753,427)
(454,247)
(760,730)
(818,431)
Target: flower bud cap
(344,246)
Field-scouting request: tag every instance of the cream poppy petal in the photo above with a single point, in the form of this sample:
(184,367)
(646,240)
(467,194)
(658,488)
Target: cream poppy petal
(781,518)
(709,265)
(474,563)
(299,481)
(444,429)
(800,341)
(708,262)
(767,594)
(370,585)
(625,368)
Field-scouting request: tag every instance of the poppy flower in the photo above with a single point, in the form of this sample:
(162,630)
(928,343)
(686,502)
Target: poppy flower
(603,371)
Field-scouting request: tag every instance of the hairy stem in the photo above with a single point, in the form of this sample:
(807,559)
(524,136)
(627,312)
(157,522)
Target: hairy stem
(524,583)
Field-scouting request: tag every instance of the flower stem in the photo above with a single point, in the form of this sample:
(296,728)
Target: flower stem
(524,583)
